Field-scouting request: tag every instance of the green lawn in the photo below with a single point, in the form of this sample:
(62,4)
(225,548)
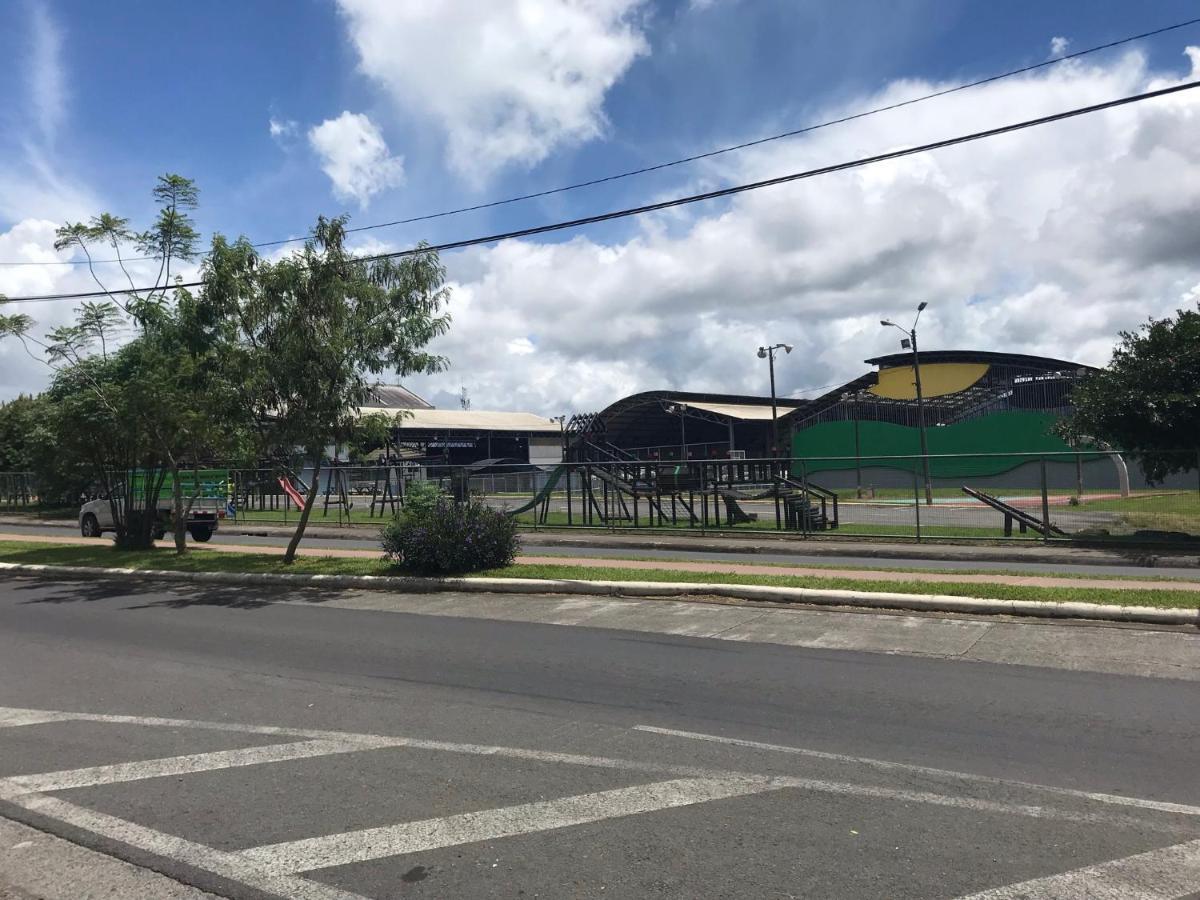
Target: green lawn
(1174,511)
(205,561)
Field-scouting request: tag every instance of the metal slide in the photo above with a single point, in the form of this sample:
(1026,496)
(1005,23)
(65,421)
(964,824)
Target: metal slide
(292,492)
(1012,513)
(542,496)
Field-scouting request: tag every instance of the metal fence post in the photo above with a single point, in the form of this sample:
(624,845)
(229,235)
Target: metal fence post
(917,503)
(1045,504)
(569,474)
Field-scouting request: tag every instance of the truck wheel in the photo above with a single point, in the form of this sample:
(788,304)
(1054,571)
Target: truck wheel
(90,526)
(200,533)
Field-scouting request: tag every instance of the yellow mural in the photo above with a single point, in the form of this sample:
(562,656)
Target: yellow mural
(936,379)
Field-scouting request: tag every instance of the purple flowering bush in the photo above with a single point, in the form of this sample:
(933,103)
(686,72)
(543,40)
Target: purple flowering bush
(447,538)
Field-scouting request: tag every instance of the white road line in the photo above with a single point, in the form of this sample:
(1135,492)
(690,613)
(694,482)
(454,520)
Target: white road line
(10,718)
(182,765)
(227,865)
(378,740)
(1114,799)
(976,804)
(491,824)
(1165,874)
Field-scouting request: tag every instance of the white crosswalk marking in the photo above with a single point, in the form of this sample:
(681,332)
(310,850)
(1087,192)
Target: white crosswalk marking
(490,824)
(1166,874)
(227,865)
(11,718)
(182,765)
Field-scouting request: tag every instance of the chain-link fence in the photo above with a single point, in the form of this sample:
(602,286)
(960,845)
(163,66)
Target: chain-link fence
(1056,496)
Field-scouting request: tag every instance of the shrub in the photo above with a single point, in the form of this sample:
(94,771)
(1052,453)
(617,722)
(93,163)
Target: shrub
(445,538)
(421,497)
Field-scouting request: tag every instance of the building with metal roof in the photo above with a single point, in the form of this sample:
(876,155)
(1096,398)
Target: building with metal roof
(464,436)
(975,402)
(671,425)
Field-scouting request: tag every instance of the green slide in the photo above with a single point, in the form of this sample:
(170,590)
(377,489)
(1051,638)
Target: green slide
(541,496)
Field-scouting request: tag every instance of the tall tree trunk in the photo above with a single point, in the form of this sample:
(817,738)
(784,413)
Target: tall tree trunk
(313,490)
(180,514)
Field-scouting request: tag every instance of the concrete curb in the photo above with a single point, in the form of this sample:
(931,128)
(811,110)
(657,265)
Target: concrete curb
(862,599)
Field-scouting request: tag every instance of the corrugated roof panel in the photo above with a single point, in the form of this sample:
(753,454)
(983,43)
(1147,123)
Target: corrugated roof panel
(469,420)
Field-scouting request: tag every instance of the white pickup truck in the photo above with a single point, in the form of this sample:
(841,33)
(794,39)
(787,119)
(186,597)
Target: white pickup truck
(95,517)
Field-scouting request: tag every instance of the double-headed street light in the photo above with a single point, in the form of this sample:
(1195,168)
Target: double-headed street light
(910,343)
(768,353)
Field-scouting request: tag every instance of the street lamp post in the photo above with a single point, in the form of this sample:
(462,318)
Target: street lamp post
(910,342)
(768,353)
(858,488)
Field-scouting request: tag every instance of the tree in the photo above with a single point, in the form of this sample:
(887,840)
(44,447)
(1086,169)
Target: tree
(162,401)
(18,418)
(369,433)
(314,331)
(1146,402)
(100,321)
(28,443)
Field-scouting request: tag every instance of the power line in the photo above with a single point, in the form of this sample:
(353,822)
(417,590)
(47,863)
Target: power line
(697,198)
(687,159)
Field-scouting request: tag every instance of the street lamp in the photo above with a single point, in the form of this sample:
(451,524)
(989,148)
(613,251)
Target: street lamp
(562,433)
(768,353)
(910,343)
(858,488)
(678,409)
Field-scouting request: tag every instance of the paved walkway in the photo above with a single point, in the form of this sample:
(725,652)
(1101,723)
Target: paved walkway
(866,576)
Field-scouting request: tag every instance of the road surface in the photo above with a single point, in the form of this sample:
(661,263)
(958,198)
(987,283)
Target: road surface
(256,748)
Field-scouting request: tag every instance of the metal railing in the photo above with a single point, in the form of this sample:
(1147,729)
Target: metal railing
(989,496)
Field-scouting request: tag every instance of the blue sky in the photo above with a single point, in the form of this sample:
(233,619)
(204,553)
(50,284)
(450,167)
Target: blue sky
(414,113)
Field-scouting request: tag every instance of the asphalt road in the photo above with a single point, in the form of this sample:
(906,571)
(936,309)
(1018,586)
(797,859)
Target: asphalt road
(530,544)
(255,749)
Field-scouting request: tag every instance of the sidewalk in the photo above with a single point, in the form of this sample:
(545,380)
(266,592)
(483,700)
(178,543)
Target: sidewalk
(642,565)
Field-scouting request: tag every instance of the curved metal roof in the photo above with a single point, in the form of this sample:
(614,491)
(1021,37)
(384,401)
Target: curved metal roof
(643,417)
(1045,363)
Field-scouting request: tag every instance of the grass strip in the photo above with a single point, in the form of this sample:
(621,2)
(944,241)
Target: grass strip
(1166,599)
(750,559)
(200,561)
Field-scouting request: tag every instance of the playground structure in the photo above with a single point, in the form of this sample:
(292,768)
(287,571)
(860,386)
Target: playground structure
(1012,514)
(345,491)
(1040,496)
(614,489)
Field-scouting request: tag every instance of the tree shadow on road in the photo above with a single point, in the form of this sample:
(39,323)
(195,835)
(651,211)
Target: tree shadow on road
(166,595)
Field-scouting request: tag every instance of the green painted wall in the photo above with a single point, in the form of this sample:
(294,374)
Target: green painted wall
(1003,432)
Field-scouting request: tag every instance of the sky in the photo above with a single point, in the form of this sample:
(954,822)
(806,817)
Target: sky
(1049,241)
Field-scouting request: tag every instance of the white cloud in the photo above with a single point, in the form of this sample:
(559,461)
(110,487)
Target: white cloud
(47,84)
(282,130)
(509,80)
(1047,241)
(1059,45)
(520,346)
(355,157)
